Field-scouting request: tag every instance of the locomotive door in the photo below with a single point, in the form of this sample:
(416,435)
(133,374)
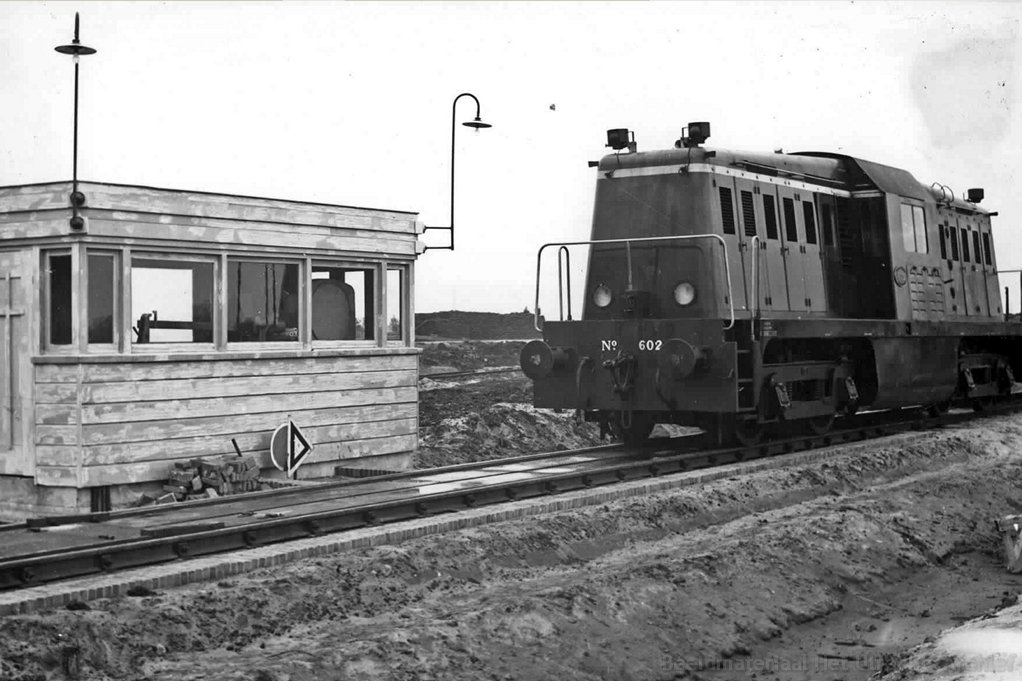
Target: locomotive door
(758,281)
(792,250)
(955,281)
(972,268)
(830,255)
(775,293)
(812,263)
(733,242)
(989,266)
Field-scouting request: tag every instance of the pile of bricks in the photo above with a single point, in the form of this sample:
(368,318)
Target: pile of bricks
(211,477)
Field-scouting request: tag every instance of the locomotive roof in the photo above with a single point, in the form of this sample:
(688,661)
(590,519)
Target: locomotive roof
(839,171)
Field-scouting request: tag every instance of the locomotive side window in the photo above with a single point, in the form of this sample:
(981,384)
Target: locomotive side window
(727,211)
(791,229)
(828,226)
(770,212)
(975,248)
(965,244)
(953,231)
(913,228)
(748,214)
(809,216)
(942,230)
(922,242)
(986,249)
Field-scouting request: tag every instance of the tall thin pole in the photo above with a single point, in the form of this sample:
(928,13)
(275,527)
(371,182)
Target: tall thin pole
(477,123)
(76,49)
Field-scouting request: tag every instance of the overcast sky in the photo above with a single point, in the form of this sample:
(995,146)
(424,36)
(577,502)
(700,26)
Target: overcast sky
(351,104)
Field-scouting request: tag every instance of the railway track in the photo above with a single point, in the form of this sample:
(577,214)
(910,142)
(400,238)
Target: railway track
(51,549)
(470,373)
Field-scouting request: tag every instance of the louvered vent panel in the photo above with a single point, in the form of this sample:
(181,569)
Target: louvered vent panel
(748,214)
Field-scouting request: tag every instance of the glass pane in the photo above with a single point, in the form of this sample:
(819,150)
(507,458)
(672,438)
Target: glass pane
(172,301)
(395,300)
(60,299)
(262,302)
(101,298)
(343,303)
(907,230)
(965,244)
(922,242)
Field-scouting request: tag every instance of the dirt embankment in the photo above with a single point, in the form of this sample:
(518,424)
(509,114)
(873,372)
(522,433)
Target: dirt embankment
(820,571)
(488,416)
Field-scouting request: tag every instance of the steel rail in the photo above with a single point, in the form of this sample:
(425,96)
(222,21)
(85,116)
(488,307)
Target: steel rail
(39,568)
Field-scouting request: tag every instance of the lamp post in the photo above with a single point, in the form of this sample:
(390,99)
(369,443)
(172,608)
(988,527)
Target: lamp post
(76,49)
(476,123)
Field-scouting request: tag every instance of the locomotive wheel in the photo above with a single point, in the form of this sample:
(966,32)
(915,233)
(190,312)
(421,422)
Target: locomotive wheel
(747,432)
(820,425)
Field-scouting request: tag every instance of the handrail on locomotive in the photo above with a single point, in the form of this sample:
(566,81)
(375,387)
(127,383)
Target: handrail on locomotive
(628,242)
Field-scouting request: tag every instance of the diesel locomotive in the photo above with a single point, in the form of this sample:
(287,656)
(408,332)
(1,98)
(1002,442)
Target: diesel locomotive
(748,292)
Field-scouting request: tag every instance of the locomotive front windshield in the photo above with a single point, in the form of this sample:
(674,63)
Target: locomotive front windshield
(648,279)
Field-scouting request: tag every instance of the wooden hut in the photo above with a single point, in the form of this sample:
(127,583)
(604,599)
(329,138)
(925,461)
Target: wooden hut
(174,322)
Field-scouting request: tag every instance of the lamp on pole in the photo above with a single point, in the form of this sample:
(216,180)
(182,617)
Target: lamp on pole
(476,123)
(76,49)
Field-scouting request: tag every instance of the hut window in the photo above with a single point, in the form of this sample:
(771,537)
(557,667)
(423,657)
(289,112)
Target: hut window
(172,300)
(102,294)
(58,279)
(262,302)
(395,304)
(343,302)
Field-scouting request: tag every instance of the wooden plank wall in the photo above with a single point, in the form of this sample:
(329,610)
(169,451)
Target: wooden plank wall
(15,283)
(115,423)
(135,215)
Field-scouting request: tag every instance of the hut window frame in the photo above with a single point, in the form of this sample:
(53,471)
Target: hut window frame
(140,339)
(359,298)
(283,292)
(116,298)
(401,334)
(68,296)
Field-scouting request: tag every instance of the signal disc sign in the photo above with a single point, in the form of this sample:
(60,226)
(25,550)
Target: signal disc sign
(289,448)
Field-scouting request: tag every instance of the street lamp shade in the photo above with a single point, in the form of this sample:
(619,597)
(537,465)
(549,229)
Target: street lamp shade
(75,48)
(477,124)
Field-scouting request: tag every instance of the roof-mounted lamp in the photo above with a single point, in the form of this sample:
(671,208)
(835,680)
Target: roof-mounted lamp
(76,50)
(621,138)
(693,135)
